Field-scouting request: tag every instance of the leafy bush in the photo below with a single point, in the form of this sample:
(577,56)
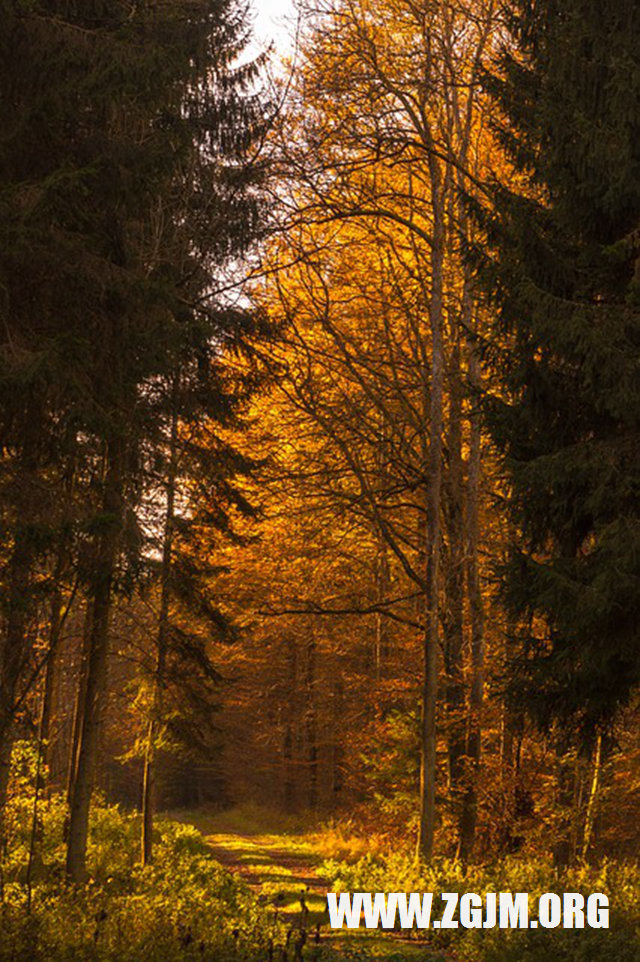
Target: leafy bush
(400,873)
(185,906)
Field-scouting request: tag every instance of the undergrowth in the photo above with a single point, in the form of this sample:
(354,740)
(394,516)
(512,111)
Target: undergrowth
(183,907)
(187,907)
(400,873)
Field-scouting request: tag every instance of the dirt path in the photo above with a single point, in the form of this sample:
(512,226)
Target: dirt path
(285,875)
(280,874)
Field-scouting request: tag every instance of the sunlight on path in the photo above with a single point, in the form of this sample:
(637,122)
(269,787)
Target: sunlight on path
(280,874)
(283,871)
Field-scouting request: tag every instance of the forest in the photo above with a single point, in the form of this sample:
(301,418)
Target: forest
(319,475)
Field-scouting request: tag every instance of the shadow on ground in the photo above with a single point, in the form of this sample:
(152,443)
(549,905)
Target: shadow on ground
(283,871)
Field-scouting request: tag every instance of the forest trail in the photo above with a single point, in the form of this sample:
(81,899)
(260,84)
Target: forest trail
(281,868)
(280,874)
(284,871)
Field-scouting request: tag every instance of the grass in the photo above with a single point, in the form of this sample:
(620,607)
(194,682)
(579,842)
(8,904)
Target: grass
(281,859)
(276,853)
(302,833)
(185,906)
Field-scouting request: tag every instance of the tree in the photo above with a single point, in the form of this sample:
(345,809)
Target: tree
(210,119)
(565,412)
(392,134)
(127,188)
(202,460)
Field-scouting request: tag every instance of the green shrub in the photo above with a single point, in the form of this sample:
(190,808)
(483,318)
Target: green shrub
(401,873)
(185,906)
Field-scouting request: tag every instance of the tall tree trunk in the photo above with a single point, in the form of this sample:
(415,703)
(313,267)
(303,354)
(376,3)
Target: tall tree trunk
(42,781)
(290,707)
(564,850)
(79,701)
(13,645)
(336,747)
(382,590)
(453,620)
(105,563)
(149,774)
(426,828)
(56,620)
(50,681)
(36,828)
(288,787)
(592,802)
(311,722)
(469,817)
(381,572)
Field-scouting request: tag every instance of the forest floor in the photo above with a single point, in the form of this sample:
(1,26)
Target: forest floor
(284,870)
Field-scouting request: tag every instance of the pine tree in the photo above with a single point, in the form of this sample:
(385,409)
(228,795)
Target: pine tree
(126,187)
(564,278)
